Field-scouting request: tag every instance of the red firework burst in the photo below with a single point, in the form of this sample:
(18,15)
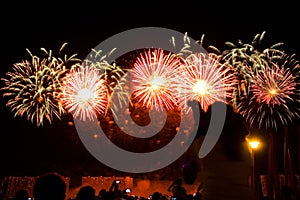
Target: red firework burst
(84,93)
(154,79)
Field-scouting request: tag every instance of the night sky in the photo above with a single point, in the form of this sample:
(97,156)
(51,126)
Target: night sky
(25,149)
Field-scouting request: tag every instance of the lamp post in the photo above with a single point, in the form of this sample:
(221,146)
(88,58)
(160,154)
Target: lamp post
(254,144)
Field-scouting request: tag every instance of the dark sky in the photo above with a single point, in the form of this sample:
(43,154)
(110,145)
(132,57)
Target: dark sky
(84,25)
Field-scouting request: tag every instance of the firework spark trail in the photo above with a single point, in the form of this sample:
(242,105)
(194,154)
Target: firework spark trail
(248,59)
(205,80)
(84,93)
(154,77)
(33,87)
(114,77)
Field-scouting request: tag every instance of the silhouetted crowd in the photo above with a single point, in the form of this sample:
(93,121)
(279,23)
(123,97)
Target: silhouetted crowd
(51,186)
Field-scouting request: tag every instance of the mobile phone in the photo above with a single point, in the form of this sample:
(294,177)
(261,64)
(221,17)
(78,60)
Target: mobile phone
(128,190)
(173,198)
(118,181)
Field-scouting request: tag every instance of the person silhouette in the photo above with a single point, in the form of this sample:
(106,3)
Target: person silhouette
(101,194)
(114,189)
(178,191)
(86,193)
(49,186)
(156,196)
(21,194)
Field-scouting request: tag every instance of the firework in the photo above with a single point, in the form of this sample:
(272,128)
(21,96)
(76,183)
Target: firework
(33,87)
(114,78)
(268,90)
(273,86)
(153,78)
(203,77)
(206,80)
(274,94)
(84,93)
(248,59)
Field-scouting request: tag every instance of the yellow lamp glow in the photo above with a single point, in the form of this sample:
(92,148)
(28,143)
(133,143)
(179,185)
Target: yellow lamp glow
(254,144)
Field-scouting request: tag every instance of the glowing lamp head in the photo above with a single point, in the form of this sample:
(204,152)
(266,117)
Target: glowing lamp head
(254,144)
(201,88)
(85,95)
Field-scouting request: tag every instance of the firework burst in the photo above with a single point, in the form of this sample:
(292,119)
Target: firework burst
(268,92)
(273,86)
(205,80)
(203,77)
(274,94)
(33,87)
(154,77)
(84,93)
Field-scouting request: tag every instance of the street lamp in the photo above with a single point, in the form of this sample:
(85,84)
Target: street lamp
(254,145)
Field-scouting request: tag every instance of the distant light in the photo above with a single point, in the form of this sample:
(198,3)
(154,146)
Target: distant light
(96,136)
(40,99)
(70,123)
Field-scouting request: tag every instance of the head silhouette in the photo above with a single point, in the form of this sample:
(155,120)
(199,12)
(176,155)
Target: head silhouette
(86,193)
(50,186)
(21,194)
(178,181)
